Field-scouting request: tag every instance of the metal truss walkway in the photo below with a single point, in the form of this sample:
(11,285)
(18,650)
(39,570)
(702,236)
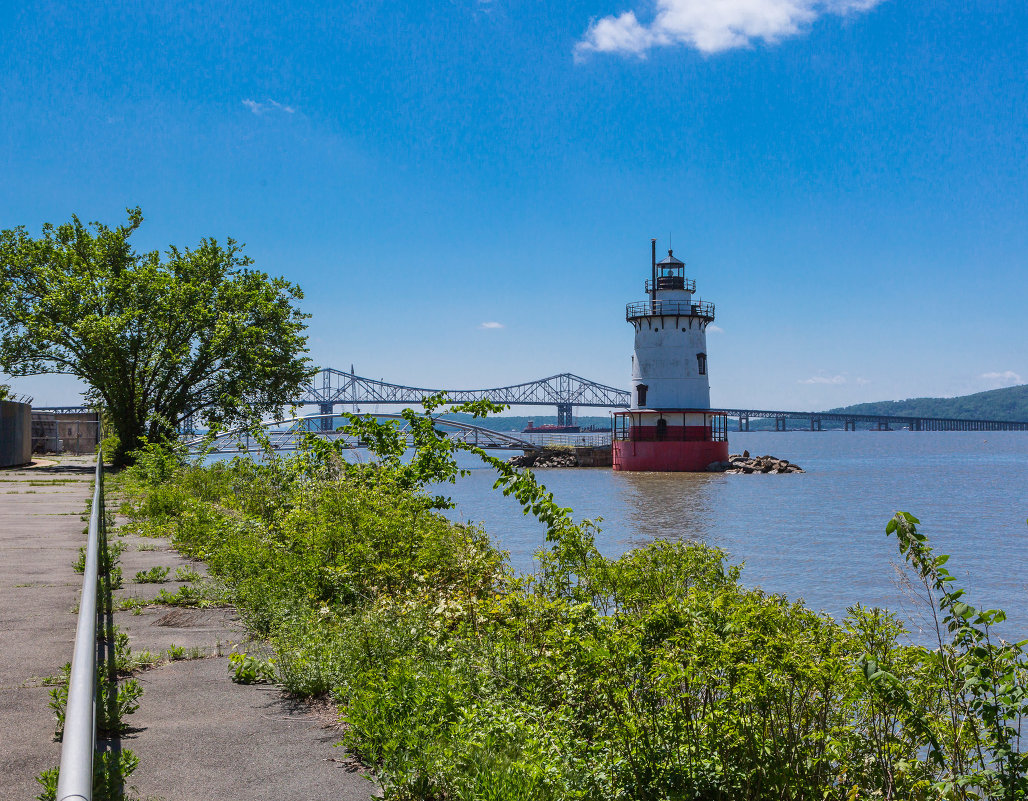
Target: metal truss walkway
(286,435)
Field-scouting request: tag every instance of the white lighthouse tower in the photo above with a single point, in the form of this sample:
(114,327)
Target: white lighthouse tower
(669,425)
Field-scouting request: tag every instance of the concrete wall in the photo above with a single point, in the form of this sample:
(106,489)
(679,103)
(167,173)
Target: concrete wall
(65,432)
(15,433)
(78,431)
(44,434)
(593,456)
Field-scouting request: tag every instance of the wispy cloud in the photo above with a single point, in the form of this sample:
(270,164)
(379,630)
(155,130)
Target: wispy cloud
(1008,378)
(487,326)
(715,329)
(267,106)
(710,26)
(823,379)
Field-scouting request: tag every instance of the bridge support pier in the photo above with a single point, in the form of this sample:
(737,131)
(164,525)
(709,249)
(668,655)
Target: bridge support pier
(744,422)
(326,422)
(815,423)
(849,425)
(780,423)
(564,415)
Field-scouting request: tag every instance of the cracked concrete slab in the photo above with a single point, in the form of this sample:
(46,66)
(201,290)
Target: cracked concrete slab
(40,534)
(197,734)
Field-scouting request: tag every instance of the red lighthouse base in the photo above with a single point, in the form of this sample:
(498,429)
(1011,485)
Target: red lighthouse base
(674,457)
(674,441)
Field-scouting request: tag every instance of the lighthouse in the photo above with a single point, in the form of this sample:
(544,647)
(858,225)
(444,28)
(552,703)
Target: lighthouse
(669,425)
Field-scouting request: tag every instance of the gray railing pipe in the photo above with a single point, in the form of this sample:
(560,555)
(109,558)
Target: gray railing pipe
(76,776)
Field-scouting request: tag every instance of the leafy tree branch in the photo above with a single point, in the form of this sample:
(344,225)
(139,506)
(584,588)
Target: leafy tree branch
(193,333)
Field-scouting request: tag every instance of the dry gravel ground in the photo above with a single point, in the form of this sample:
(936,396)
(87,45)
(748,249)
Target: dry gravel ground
(198,736)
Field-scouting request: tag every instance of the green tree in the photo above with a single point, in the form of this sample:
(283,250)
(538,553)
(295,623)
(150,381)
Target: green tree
(194,333)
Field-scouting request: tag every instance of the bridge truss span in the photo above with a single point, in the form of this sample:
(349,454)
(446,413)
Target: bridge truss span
(565,391)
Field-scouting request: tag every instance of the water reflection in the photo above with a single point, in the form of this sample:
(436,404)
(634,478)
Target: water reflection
(672,506)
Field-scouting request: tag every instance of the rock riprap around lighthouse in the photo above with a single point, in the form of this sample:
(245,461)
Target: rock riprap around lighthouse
(744,463)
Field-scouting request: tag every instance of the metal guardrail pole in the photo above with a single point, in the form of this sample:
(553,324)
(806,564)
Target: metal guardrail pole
(76,776)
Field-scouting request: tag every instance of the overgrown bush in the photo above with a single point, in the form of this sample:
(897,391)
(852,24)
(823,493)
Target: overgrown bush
(656,675)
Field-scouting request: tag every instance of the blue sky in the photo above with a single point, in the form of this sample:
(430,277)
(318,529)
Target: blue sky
(845,179)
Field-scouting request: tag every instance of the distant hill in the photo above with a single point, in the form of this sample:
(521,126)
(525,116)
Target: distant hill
(1010,404)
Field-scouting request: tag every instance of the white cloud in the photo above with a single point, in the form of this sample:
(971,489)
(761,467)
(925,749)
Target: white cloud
(710,26)
(1008,378)
(823,379)
(486,326)
(715,329)
(266,106)
(621,34)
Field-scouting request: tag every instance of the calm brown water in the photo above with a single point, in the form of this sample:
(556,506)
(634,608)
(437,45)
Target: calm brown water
(820,535)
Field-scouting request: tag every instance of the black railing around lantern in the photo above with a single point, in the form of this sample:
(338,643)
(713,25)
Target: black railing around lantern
(671,282)
(670,308)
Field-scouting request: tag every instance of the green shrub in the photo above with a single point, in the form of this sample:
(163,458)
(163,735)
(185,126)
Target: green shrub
(246,669)
(656,675)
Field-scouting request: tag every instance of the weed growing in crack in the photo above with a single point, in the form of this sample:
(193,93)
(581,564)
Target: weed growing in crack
(155,575)
(246,669)
(186,573)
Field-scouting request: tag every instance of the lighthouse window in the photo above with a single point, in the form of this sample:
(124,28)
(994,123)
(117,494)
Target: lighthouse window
(701,363)
(640,394)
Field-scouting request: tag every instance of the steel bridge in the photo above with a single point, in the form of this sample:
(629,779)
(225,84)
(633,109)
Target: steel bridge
(567,391)
(876,422)
(286,435)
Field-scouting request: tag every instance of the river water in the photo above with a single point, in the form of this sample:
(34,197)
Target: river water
(819,535)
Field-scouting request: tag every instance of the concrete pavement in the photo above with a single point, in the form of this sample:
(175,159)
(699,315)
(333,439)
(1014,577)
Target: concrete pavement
(198,736)
(41,530)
